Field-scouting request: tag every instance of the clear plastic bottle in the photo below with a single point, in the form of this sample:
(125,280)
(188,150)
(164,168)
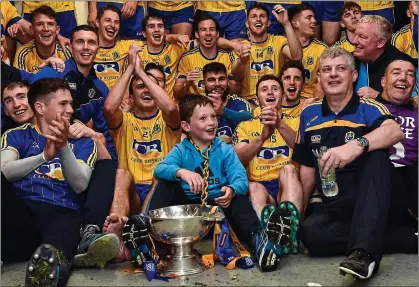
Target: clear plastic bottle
(329,184)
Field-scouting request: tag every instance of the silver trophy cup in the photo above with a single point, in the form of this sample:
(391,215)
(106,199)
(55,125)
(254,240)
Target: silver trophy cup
(182,226)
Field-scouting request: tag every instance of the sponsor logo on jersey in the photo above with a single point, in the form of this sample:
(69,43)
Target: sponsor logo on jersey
(106,67)
(267,65)
(51,169)
(225,133)
(268,155)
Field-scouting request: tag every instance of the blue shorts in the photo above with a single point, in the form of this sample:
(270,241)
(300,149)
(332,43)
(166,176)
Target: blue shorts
(66,20)
(326,10)
(142,191)
(132,27)
(185,15)
(386,13)
(272,186)
(232,24)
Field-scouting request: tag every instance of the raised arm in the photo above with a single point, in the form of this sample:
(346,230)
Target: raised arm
(293,50)
(161,98)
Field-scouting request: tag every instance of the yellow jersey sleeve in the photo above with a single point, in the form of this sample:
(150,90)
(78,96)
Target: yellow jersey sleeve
(169,5)
(311,55)
(240,135)
(9,15)
(403,40)
(220,6)
(57,6)
(142,143)
(375,5)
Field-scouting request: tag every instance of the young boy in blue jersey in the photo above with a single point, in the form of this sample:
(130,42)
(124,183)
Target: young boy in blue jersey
(182,178)
(47,172)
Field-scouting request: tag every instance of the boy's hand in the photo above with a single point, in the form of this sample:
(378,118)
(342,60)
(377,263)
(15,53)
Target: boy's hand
(225,200)
(195,181)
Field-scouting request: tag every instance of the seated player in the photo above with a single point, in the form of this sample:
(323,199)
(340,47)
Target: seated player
(231,16)
(304,23)
(203,167)
(132,13)
(264,146)
(178,15)
(398,84)
(45,29)
(267,52)
(404,39)
(49,172)
(66,17)
(350,14)
(230,109)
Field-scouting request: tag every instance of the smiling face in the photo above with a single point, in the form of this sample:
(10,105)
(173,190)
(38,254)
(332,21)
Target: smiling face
(45,30)
(216,83)
(292,81)
(335,76)
(207,33)
(367,43)
(305,23)
(16,105)
(109,25)
(58,102)
(202,126)
(84,47)
(141,98)
(257,22)
(155,32)
(269,93)
(399,81)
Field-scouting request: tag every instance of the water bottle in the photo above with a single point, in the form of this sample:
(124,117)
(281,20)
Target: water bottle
(329,184)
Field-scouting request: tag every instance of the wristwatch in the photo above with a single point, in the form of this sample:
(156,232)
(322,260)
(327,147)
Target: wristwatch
(363,142)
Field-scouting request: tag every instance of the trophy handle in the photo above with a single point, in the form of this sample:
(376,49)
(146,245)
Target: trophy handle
(215,217)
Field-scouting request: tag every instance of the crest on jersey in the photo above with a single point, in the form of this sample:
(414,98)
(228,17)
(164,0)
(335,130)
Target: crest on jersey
(270,50)
(115,55)
(91,93)
(349,136)
(310,60)
(72,86)
(167,59)
(156,129)
(316,139)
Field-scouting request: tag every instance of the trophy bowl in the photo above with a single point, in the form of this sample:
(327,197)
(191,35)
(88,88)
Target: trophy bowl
(182,226)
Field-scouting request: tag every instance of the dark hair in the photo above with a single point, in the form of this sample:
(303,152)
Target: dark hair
(108,7)
(214,67)
(44,10)
(13,85)
(349,6)
(153,16)
(267,77)
(292,64)
(189,102)
(258,6)
(295,10)
(202,16)
(83,28)
(154,66)
(42,89)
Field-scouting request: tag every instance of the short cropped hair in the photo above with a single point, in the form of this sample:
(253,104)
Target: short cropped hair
(295,10)
(153,16)
(257,6)
(292,64)
(202,16)
(349,6)
(108,7)
(384,30)
(334,52)
(188,104)
(13,85)
(154,66)
(267,77)
(43,89)
(44,10)
(214,67)
(83,28)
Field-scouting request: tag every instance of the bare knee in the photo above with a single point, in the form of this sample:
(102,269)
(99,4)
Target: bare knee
(288,171)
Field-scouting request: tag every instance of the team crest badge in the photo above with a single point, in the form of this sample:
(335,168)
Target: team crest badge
(349,136)
(115,55)
(91,93)
(167,59)
(310,60)
(316,139)
(270,50)
(156,129)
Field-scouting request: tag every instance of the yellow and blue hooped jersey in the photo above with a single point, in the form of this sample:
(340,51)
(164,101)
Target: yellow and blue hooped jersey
(265,58)
(403,40)
(110,63)
(142,143)
(169,59)
(311,55)
(220,6)
(274,154)
(225,128)
(194,60)
(27,57)
(46,183)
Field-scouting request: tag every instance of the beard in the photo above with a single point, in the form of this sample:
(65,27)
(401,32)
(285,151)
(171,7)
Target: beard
(223,96)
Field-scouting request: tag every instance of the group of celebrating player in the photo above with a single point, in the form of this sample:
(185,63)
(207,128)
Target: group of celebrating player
(131,113)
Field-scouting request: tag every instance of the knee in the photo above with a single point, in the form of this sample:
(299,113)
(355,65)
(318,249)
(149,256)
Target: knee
(288,171)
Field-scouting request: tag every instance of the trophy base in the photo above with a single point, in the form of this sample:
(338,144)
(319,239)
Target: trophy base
(184,265)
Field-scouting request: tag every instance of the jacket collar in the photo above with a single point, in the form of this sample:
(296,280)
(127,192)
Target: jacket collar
(350,107)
